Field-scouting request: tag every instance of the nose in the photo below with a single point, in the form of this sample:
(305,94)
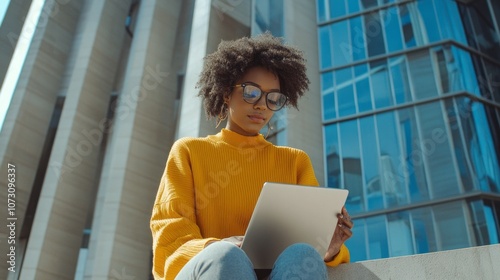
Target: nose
(261,103)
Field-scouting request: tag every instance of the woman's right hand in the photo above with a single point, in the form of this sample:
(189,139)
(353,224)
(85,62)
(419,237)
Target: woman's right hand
(236,240)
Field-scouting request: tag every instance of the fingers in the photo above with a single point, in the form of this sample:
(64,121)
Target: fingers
(345,219)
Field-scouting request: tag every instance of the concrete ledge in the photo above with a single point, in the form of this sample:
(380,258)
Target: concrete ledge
(470,263)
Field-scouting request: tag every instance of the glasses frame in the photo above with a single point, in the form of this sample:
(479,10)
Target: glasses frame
(262,93)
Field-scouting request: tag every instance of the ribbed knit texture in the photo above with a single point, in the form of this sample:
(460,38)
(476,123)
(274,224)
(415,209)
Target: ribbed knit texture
(209,190)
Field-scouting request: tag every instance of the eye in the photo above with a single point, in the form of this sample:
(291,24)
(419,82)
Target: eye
(276,98)
(251,92)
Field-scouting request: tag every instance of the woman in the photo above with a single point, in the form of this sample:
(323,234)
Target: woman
(211,184)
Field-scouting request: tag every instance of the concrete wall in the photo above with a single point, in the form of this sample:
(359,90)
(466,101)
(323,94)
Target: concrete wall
(470,263)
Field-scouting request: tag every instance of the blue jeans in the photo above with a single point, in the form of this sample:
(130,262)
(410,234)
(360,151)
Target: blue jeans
(224,260)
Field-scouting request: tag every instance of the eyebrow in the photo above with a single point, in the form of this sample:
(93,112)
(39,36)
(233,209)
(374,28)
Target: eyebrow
(260,87)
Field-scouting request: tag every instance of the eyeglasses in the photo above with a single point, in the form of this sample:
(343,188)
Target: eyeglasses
(252,93)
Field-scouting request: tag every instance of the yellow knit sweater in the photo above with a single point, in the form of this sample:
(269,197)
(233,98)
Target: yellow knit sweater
(209,190)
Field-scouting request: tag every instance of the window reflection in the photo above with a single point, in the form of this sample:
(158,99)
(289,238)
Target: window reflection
(363,91)
(325,47)
(400,234)
(341,43)
(382,92)
(392,29)
(351,165)
(451,227)
(400,80)
(377,237)
(337,8)
(481,150)
(370,163)
(480,27)
(422,73)
(344,90)
(463,162)
(357,43)
(374,35)
(389,161)
(357,243)
(333,157)
(423,230)
(406,24)
(412,169)
(434,149)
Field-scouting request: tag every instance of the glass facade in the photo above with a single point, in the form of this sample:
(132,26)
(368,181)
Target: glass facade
(411,116)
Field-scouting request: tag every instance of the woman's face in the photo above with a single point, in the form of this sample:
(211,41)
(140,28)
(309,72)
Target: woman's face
(248,119)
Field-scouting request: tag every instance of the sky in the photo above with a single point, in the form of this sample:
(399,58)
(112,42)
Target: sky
(3,9)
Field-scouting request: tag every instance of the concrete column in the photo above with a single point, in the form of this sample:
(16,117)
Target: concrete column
(69,187)
(304,127)
(213,21)
(142,133)
(25,128)
(10,31)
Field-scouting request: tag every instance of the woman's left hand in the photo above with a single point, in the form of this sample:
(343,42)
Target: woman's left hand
(341,234)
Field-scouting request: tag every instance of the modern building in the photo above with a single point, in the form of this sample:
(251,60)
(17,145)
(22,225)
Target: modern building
(403,110)
(411,116)
(104,89)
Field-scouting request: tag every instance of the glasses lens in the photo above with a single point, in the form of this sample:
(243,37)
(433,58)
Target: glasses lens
(251,93)
(275,100)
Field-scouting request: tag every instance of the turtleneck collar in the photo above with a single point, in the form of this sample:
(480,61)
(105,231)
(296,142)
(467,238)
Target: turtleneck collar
(240,141)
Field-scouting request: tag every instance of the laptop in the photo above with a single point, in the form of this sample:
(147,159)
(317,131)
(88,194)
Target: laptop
(287,214)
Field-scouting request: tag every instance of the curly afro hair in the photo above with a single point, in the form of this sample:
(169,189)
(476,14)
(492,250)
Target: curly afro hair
(224,67)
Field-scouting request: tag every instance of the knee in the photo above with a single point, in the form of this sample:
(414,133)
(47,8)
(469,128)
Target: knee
(302,250)
(299,261)
(227,252)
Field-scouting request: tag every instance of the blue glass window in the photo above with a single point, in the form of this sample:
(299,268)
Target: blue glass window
(413,170)
(451,227)
(357,243)
(337,8)
(367,4)
(400,234)
(377,237)
(371,174)
(382,92)
(351,165)
(363,91)
(353,6)
(344,89)
(400,81)
(329,108)
(333,156)
(358,44)
(374,35)
(325,47)
(428,27)
(390,161)
(406,23)
(341,45)
(423,230)
(321,10)
(463,162)
(422,73)
(450,21)
(392,29)
(434,147)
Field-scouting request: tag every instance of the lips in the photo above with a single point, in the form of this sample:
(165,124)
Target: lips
(257,118)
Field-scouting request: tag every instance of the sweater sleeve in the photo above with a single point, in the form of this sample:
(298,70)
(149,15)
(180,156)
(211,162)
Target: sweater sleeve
(176,236)
(305,173)
(305,170)
(342,257)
